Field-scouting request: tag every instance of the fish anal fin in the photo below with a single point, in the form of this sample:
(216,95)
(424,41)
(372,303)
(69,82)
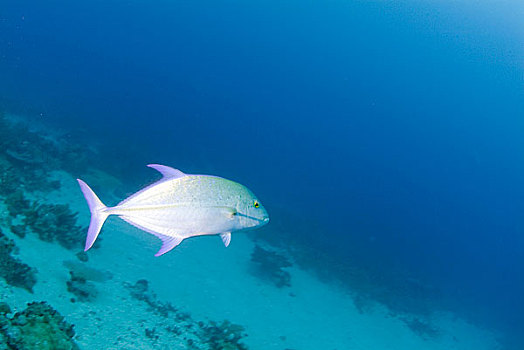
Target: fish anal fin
(226,238)
(167,172)
(168,243)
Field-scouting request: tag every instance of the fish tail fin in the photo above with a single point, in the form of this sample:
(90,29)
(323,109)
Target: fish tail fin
(99,214)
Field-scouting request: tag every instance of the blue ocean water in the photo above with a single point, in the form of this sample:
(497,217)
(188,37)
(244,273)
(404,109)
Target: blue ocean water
(383,135)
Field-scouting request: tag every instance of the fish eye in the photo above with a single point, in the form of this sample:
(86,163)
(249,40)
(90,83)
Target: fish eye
(256,204)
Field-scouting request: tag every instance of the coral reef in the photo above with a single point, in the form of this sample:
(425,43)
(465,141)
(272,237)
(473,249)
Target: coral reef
(269,265)
(200,335)
(151,334)
(55,222)
(140,290)
(12,270)
(51,222)
(18,230)
(30,178)
(9,182)
(34,154)
(223,336)
(4,308)
(16,203)
(26,158)
(38,327)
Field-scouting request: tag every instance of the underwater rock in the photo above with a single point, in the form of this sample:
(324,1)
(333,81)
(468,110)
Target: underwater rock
(12,270)
(269,265)
(81,288)
(38,327)
(86,272)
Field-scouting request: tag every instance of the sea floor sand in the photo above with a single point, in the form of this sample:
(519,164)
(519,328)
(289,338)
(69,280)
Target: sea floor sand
(210,282)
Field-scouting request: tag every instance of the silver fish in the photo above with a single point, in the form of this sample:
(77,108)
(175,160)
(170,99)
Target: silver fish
(180,206)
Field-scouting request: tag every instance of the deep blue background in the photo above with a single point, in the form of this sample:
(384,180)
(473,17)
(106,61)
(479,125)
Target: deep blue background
(396,127)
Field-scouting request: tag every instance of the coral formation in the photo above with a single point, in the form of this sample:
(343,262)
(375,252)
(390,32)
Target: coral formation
(14,271)
(26,158)
(18,230)
(38,327)
(4,308)
(55,222)
(51,222)
(269,265)
(140,290)
(8,180)
(33,154)
(151,334)
(223,336)
(209,336)
(16,203)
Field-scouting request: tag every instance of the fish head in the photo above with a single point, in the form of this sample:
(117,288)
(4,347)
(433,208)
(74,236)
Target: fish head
(250,211)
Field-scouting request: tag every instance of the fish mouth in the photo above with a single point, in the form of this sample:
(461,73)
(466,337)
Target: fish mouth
(262,221)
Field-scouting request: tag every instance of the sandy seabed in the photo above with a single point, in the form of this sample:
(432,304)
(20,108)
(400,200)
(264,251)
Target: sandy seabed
(207,281)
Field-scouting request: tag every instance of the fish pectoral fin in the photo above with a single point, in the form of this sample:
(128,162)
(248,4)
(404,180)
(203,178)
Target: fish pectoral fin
(168,243)
(226,238)
(229,212)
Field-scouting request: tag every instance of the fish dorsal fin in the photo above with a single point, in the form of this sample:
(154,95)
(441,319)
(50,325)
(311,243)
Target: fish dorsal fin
(168,243)
(167,172)
(226,238)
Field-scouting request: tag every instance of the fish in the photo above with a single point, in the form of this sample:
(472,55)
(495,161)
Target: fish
(180,206)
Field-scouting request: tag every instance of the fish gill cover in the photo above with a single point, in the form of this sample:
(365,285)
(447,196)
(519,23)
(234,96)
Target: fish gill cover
(385,138)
